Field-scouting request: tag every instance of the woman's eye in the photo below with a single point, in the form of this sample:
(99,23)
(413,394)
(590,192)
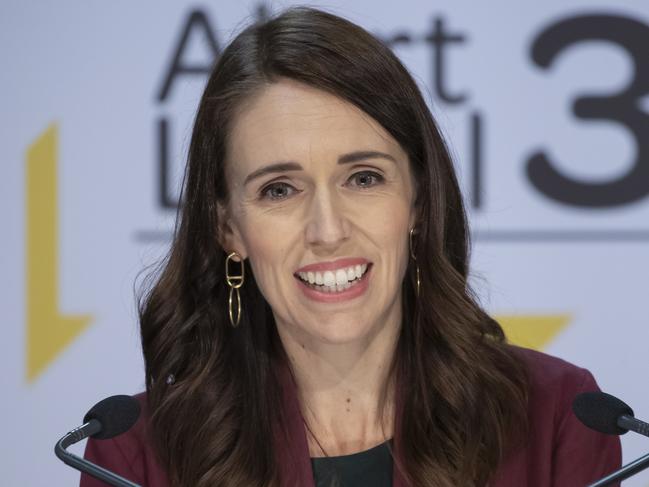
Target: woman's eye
(366,179)
(277,191)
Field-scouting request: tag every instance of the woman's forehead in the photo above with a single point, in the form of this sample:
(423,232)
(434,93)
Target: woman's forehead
(288,120)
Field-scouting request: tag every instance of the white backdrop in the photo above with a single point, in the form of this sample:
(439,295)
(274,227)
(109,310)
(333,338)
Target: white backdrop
(563,262)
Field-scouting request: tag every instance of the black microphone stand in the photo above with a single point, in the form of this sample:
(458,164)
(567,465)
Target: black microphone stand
(88,429)
(625,472)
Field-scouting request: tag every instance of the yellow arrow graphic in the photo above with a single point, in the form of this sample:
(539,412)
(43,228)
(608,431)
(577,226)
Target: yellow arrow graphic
(535,331)
(48,331)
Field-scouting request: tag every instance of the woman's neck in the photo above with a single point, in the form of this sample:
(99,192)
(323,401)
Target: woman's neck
(346,391)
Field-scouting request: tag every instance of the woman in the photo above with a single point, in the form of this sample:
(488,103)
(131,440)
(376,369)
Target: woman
(313,324)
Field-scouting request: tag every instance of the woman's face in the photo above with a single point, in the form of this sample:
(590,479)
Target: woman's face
(321,203)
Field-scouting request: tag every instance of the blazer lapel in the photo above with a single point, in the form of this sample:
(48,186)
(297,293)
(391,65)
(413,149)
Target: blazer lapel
(291,447)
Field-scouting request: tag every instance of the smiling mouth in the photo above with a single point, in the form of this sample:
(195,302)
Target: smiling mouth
(334,281)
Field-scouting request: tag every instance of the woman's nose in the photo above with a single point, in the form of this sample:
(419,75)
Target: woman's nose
(327,224)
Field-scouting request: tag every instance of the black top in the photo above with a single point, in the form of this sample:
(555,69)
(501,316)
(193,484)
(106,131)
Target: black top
(369,468)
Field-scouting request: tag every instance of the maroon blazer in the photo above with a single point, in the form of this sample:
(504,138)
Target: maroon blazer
(560,451)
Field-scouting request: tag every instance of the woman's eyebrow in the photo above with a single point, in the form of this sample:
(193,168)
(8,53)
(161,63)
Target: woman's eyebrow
(361,155)
(279,167)
(272,168)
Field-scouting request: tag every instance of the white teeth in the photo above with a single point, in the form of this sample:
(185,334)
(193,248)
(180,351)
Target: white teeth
(341,277)
(351,274)
(329,279)
(334,281)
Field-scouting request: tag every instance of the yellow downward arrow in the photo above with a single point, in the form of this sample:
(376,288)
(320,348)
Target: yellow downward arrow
(48,331)
(535,331)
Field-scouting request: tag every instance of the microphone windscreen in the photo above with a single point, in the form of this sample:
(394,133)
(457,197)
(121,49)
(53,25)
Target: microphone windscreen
(117,414)
(600,411)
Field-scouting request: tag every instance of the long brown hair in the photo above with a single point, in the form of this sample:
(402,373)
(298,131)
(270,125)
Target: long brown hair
(464,393)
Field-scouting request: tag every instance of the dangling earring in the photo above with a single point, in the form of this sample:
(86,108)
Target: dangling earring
(235,282)
(412,254)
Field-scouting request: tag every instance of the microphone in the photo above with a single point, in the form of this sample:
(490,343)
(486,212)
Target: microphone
(108,418)
(609,415)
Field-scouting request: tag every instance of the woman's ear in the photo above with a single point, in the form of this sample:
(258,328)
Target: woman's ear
(415,216)
(228,233)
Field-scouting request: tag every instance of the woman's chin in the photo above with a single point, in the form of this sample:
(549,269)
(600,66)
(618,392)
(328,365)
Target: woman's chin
(342,332)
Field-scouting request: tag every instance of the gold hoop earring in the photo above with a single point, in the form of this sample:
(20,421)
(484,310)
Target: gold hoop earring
(235,282)
(412,254)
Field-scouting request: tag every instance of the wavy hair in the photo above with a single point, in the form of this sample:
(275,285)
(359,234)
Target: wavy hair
(464,392)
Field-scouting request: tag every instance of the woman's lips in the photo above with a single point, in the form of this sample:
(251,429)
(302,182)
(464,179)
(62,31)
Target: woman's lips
(333,265)
(336,292)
